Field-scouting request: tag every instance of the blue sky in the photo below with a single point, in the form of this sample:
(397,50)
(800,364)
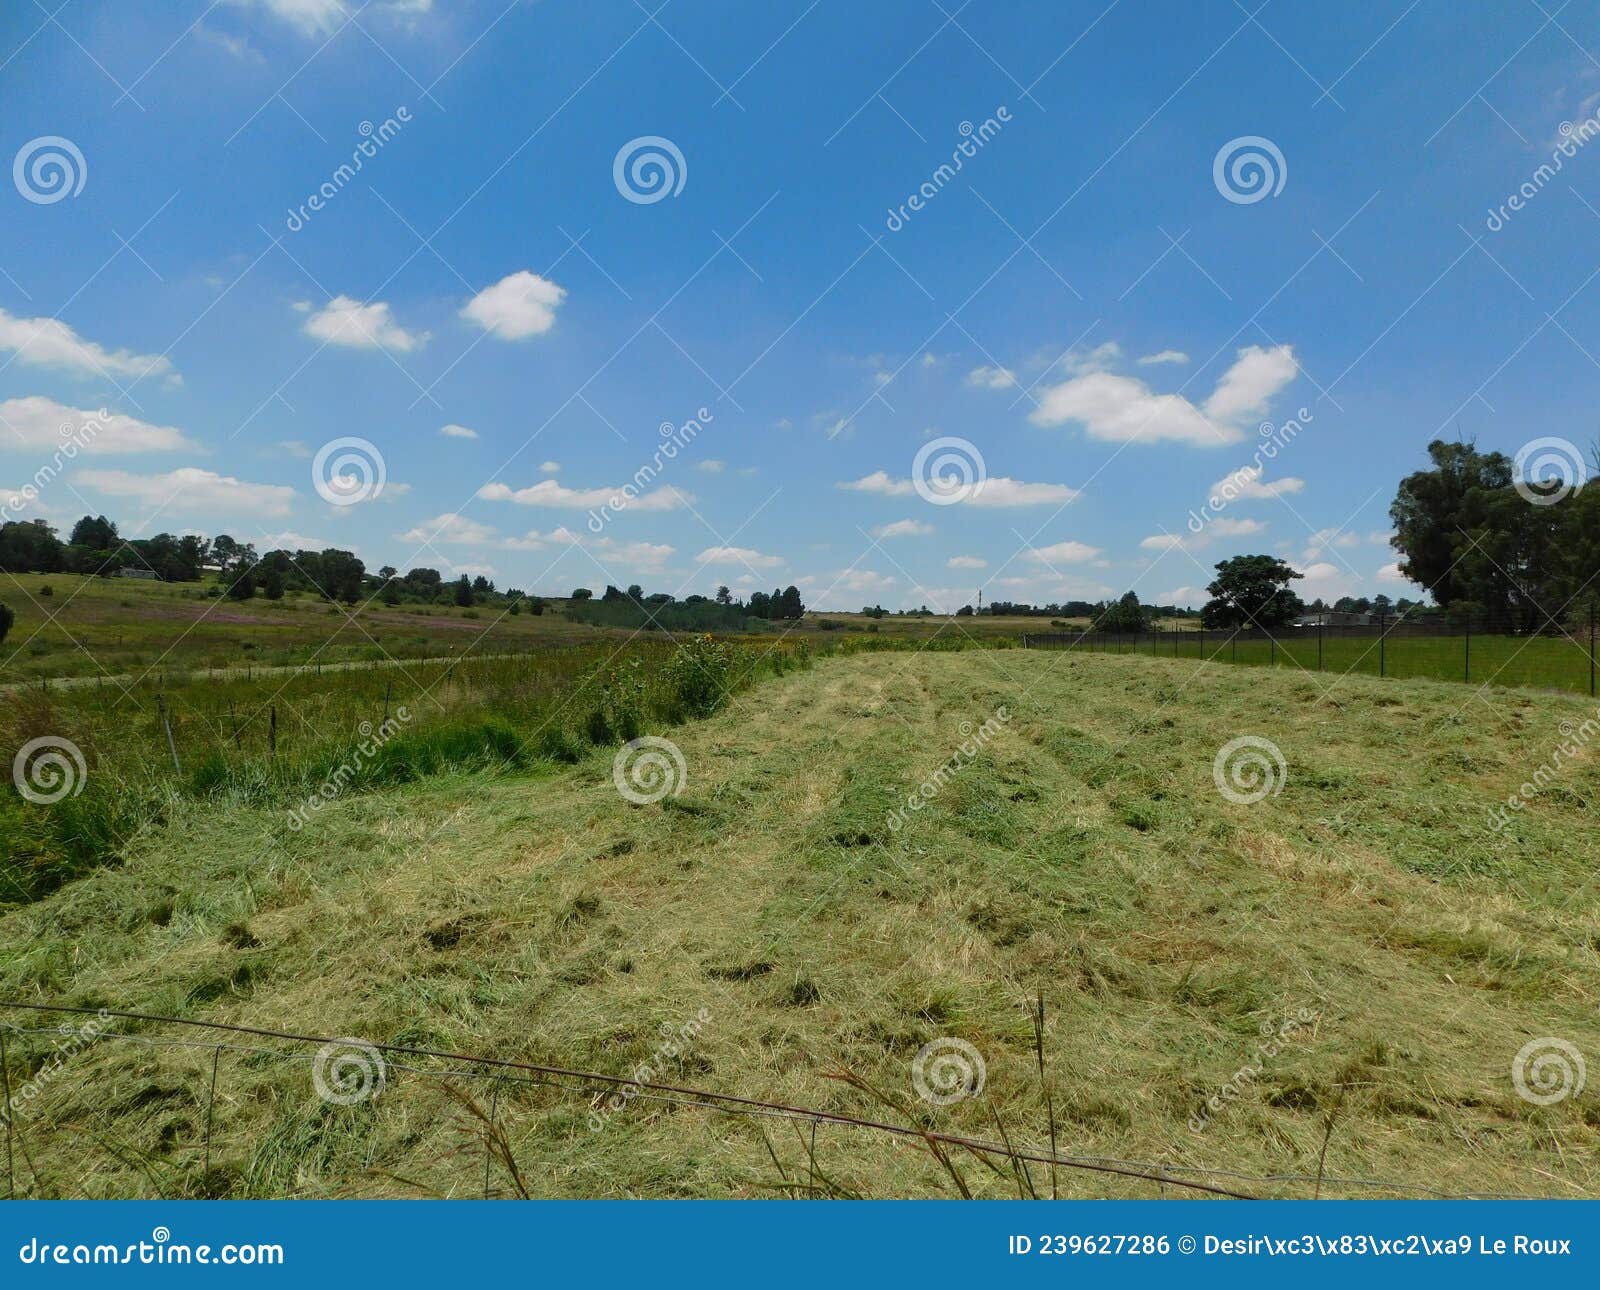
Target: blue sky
(484,270)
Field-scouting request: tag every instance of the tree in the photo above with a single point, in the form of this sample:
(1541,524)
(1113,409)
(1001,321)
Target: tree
(582,593)
(464,591)
(337,574)
(387,572)
(635,592)
(1251,591)
(1433,507)
(724,596)
(95,533)
(790,604)
(1125,615)
(760,605)
(243,584)
(272,584)
(6,619)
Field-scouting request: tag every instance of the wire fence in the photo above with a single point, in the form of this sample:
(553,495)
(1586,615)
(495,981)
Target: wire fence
(1475,653)
(354,1073)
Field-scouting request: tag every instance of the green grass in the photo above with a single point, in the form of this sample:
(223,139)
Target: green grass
(1084,852)
(1556,663)
(113,627)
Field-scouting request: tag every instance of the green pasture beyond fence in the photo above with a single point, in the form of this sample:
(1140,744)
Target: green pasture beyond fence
(1558,661)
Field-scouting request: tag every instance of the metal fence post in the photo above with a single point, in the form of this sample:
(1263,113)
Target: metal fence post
(1591,649)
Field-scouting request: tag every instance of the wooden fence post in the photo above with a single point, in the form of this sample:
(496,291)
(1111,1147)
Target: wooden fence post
(172,747)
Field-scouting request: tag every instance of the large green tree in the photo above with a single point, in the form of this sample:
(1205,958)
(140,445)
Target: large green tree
(1251,591)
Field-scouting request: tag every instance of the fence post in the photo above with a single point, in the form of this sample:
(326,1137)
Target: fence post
(211,1103)
(172,747)
(1383,639)
(5,1079)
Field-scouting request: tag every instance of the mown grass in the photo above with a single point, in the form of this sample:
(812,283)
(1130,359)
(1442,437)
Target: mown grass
(1084,852)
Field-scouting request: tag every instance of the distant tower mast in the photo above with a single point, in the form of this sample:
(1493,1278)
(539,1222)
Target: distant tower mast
(980,600)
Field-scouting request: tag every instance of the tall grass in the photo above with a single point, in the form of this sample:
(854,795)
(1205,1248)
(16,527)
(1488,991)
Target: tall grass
(281,740)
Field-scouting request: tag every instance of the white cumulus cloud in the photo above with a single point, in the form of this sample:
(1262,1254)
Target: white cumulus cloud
(903,528)
(36,423)
(521,304)
(997,490)
(192,489)
(344,320)
(1123,409)
(547,492)
(453,431)
(738,555)
(49,342)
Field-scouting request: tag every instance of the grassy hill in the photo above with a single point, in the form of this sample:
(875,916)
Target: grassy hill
(1399,952)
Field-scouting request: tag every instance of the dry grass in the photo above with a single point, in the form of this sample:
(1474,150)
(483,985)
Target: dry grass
(1086,853)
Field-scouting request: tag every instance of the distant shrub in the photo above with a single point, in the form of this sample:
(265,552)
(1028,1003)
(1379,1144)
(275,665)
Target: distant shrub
(47,590)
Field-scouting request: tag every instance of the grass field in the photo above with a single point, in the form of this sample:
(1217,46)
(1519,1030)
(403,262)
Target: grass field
(109,627)
(1550,662)
(1365,914)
